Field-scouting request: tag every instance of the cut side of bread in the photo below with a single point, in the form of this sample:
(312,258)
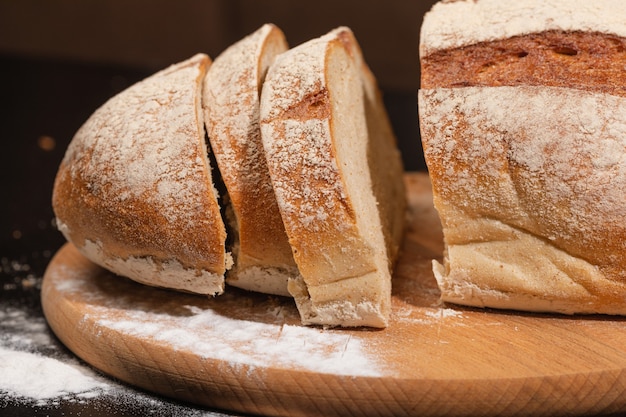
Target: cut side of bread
(231,95)
(523,121)
(317,137)
(134,192)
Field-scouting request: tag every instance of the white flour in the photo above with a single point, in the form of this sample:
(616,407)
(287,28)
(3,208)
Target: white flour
(27,373)
(36,371)
(243,342)
(455,24)
(265,337)
(41,378)
(431,317)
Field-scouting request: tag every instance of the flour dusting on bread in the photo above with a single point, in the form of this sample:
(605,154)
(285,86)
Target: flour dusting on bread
(523,123)
(455,24)
(287,152)
(137,184)
(319,142)
(231,103)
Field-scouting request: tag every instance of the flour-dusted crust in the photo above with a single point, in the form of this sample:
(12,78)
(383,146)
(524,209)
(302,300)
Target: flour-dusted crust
(530,189)
(134,191)
(523,122)
(315,134)
(232,88)
(457,23)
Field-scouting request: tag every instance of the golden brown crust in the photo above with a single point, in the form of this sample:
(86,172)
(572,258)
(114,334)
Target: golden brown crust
(523,136)
(231,103)
(135,186)
(455,24)
(319,144)
(315,205)
(590,61)
(530,207)
(135,193)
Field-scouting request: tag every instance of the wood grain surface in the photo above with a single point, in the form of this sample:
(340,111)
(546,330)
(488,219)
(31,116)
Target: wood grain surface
(247,353)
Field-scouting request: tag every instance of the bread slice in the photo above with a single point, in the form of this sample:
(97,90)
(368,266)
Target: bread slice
(232,88)
(134,192)
(342,207)
(523,122)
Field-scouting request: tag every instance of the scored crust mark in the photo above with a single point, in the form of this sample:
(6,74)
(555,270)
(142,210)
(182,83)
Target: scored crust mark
(315,105)
(590,61)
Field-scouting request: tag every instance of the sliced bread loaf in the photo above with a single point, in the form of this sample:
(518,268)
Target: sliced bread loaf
(523,121)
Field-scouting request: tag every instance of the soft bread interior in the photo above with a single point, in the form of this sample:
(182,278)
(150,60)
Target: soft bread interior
(351,145)
(319,147)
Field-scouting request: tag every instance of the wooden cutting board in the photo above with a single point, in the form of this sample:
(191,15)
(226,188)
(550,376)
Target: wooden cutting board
(247,352)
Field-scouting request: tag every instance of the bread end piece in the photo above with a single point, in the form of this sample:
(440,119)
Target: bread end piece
(134,192)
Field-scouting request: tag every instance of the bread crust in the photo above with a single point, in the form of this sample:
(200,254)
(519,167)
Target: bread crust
(232,87)
(532,206)
(345,265)
(459,23)
(321,202)
(523,121)
(134,191)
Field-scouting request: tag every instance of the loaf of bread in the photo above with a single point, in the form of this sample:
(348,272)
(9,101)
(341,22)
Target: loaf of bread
(135,191)
(337,176)
(208,174)
(231,96)
(523,120)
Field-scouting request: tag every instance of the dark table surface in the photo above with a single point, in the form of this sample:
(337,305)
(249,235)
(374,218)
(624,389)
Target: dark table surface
(43,102)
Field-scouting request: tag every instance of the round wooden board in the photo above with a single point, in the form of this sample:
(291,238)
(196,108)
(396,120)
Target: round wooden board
(248,353)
